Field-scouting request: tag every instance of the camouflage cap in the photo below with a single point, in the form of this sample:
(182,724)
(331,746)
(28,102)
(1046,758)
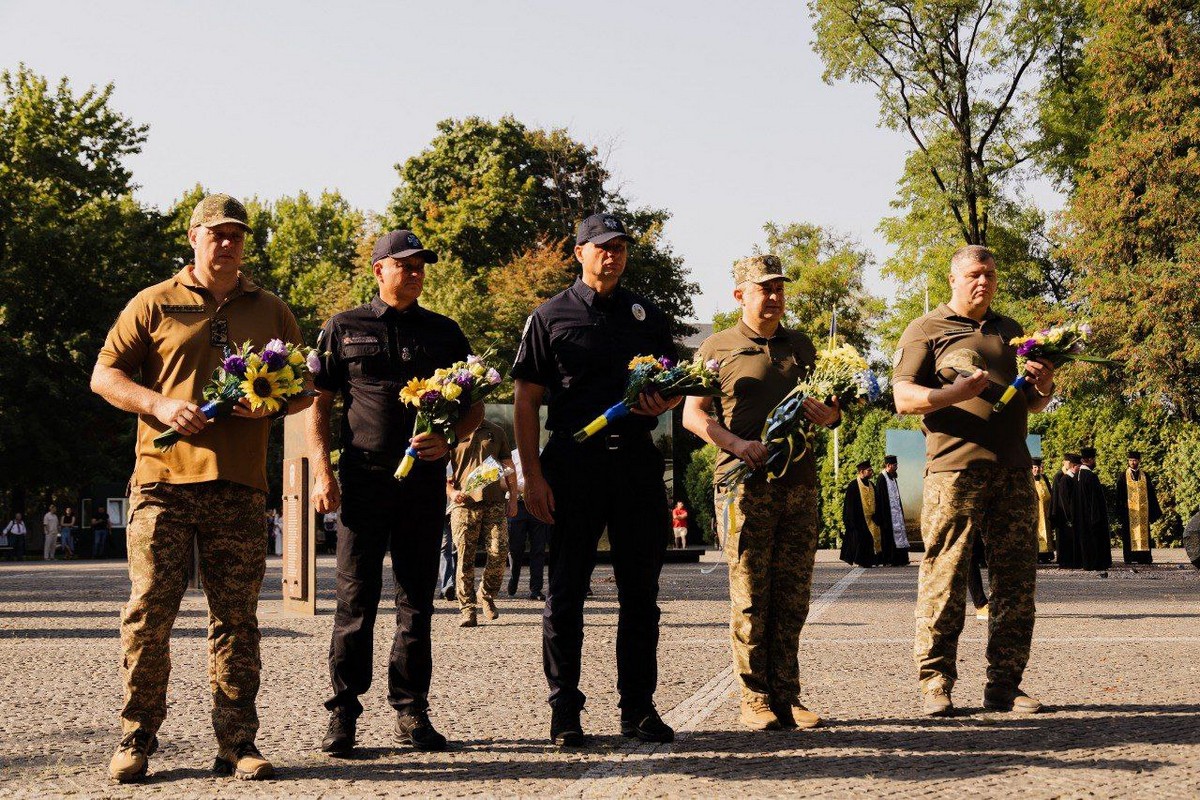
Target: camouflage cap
(963,361)
(219,209)
(758,269)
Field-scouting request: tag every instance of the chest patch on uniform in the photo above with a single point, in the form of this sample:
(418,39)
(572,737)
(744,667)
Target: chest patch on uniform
(639,313)
(171,308)
(218,335)
(958,331)
(406,354)
(350,339)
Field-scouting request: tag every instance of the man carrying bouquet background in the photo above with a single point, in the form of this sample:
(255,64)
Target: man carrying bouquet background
(369,354)
(210,487)
(481,514)
(575,355)
(769,528)
(951,366)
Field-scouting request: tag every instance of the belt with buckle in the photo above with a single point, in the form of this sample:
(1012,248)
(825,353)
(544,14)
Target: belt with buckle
(612,441)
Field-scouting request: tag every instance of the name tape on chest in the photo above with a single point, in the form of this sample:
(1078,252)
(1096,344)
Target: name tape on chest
(182,308)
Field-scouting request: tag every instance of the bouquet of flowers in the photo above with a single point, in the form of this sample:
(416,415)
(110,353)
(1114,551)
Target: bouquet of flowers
(840,373)
(443,398)
(650,374)
(1058,345)
(485,474)
(267,378)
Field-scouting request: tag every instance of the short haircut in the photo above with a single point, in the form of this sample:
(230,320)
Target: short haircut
(971,254)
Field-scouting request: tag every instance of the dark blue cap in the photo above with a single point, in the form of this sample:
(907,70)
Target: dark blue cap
(400,244)
(600,228)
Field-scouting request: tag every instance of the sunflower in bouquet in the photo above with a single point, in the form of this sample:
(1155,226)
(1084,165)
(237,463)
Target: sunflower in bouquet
(442,400)
(841,374)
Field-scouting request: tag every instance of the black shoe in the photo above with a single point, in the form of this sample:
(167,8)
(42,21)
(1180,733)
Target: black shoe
(537,596)
(414,727)
(565,728)
(646,725)
(449,595)
(512,589)
(339,736)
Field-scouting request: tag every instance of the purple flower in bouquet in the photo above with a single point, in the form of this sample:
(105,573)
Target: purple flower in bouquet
(313,362)
(1027,347)
(431,396)
(473,359)
(493,377)
(275,354)
(464,379)
(666,362)
(234,365)
(712,364)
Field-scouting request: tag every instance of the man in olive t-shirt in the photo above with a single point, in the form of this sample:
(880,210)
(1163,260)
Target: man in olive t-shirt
(210,487)
(951,366)
(769,528)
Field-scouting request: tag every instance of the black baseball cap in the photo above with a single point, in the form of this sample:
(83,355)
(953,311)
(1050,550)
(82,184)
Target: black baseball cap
(600,228)
(400,244)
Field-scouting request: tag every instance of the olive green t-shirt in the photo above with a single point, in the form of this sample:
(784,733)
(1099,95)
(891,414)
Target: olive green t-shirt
(488,439)
(173,336)
(756,373)
(966,434)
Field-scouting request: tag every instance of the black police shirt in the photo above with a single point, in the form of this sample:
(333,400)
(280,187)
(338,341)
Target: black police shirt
(368,354)
(578,345)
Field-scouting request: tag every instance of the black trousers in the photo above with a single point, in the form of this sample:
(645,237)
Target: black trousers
(620,489)
(521,528)
(380,513)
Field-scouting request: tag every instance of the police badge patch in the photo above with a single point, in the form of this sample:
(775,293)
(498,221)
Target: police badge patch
(611,223)
(413,241)
(639,313)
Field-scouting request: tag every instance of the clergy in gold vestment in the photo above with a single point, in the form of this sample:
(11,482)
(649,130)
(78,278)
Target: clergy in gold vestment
(1045,532)
(1137,508)
(863,542)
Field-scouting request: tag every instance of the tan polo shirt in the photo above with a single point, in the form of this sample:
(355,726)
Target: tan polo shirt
(967,434)
(756,373)
(488,439)
(173,336)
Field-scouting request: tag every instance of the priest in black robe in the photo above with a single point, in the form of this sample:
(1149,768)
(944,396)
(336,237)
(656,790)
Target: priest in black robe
(889,511)
(1091,516)
(1062,512)
(1137,510)
(863,543)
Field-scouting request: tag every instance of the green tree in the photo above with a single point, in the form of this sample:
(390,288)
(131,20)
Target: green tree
(74,247)
(493,198)
(1136,213)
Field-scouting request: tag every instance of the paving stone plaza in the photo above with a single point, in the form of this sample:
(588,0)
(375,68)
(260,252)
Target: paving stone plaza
(1115,659)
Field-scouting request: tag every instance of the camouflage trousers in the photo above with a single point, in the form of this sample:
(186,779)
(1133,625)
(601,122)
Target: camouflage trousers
(999,505)
(225,520)
(468,525)
(770,536)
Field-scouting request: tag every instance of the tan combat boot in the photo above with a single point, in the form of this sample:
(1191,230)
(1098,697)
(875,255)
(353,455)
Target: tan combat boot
(244,763)
(936,703)
(467,618)
(1014,700)
(757,714)
(489,607)
(129,762)
(795,715)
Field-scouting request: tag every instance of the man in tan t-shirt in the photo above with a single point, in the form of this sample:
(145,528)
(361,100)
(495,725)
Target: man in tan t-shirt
(951,366)
(482,514)
(209,488)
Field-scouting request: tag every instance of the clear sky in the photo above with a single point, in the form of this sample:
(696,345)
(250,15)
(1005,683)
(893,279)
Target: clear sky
(715,111)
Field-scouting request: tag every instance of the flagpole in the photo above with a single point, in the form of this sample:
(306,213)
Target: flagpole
(836,431)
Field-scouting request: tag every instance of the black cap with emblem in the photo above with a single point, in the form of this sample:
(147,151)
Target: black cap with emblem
(600,228)
(400,244)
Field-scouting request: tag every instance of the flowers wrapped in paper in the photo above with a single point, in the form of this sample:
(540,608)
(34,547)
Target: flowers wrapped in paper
(487,473)
(650,374)
(267,378)
(840,373)
(1057,345)
(443,398)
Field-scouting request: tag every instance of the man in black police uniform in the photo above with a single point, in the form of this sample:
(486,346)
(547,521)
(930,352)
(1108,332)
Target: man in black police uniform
(369,353)
(575,354)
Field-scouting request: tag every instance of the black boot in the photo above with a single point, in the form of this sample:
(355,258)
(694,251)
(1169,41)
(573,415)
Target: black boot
(414,727)
(339,736)
(565,728)
(647,725)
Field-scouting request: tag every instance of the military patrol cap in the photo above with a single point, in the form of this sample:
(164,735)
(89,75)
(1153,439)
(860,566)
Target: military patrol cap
(1135,454)
(400,244)
(863,465)
(758,269)
(890,460)
(1073,458)
(1087,452)
(219,209)
(600,228)
(960,361)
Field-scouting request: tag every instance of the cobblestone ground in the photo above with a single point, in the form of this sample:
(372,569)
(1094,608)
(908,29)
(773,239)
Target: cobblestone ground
(1115,659)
